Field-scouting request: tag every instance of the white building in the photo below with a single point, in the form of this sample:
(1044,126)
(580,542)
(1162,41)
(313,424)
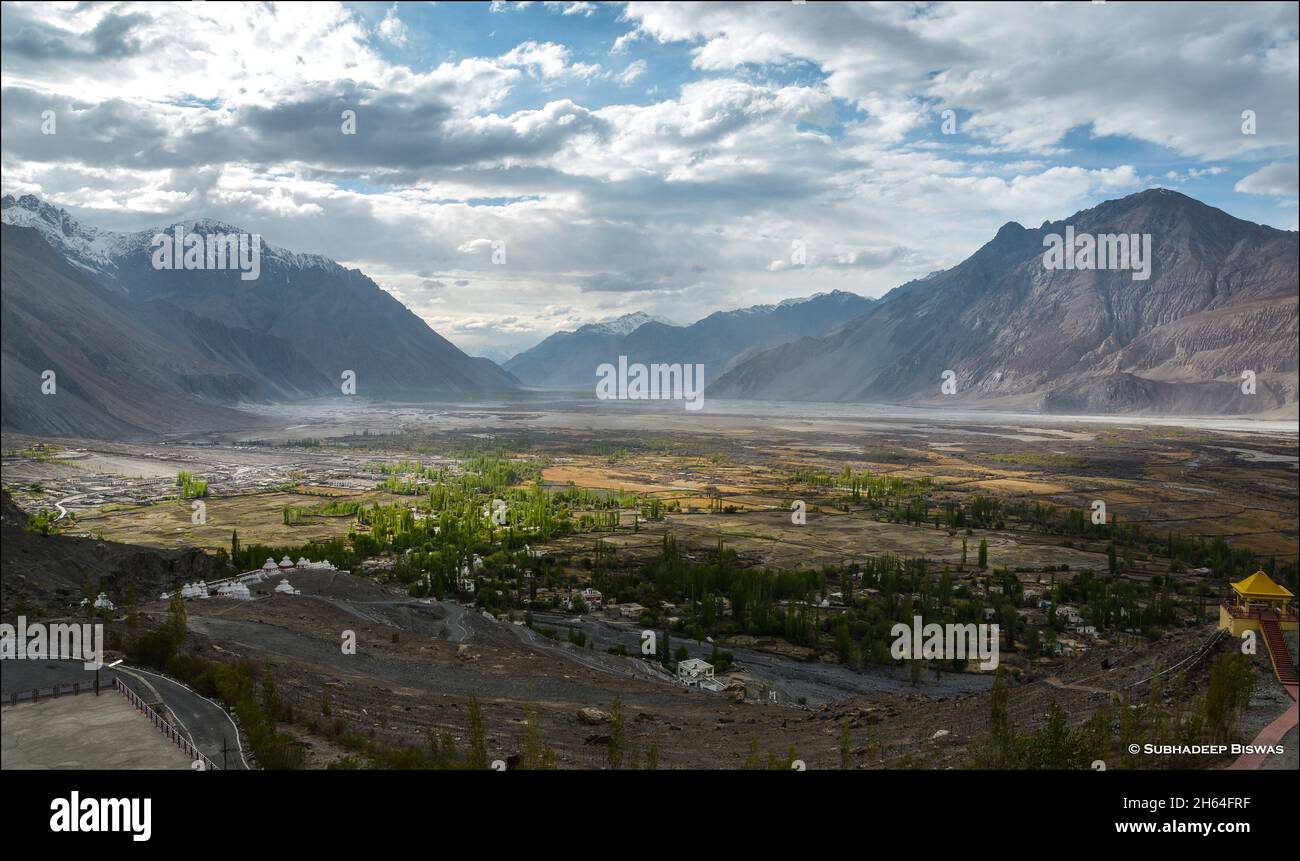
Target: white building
(286,588)
(101,602)
(1070,613)
(631,610)
(694,671)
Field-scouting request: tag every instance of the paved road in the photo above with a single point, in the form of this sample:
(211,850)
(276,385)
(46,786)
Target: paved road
(457,630)
(63,512)
(815,682)
(208,726)
(203,721)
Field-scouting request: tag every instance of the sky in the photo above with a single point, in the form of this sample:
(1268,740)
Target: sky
(516,169)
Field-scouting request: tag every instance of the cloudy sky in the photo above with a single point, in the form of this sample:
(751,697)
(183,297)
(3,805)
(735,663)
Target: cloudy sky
(642,156)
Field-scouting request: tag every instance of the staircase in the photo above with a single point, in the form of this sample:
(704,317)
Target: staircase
(1283,666)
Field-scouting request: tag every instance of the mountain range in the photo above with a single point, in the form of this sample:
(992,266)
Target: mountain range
(138,349)
(568,360)
(1219,301)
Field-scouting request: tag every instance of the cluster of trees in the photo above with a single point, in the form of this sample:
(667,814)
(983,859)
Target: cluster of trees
(906,500)
(863,487)
(1161,718)
(774,761)
(191,486)
(42,522)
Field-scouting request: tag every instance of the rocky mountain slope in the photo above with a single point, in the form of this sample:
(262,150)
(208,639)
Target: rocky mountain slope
(569,359)
(185,343)
(1220,299)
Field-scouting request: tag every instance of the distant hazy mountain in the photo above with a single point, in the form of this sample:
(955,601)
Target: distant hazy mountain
(625,325)
(205,336)
(1221,298)
(570,359)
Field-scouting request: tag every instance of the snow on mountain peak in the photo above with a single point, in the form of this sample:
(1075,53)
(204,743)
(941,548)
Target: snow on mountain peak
(624,325)
(98,251)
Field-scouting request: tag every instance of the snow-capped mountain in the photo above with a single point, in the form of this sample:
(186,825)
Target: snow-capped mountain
(90,305)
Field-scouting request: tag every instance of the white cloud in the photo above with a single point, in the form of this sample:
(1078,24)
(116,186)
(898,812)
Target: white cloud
(634,70)
(547,60)
(1148,71)
(391,29)
(1282,179)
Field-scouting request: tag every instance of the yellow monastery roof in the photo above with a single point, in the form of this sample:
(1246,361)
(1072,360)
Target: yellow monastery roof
(1261,585)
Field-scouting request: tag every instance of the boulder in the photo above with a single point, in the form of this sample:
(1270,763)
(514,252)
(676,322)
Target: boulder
(593,716)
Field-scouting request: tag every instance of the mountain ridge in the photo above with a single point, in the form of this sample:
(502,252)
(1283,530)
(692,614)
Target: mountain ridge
(569,359)
(292,333)
(1220,300)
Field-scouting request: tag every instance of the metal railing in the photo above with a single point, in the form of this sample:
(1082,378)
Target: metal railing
(35,695)
(164,726)
(1236,611)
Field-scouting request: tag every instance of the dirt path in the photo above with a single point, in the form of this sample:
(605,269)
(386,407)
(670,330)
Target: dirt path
(1057,683)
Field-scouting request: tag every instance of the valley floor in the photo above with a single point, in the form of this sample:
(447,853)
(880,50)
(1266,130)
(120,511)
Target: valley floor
(730,477)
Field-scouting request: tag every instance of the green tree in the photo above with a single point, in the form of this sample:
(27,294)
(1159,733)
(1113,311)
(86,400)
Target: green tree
(177,619)
(873,739)
(998,749)
(530,756)
(476,756)
(616,735)
(1226,695)
(652,754)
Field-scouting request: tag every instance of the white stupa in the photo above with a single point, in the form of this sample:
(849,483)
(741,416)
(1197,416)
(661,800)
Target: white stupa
(195,590)
(234,590)
(286,588)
